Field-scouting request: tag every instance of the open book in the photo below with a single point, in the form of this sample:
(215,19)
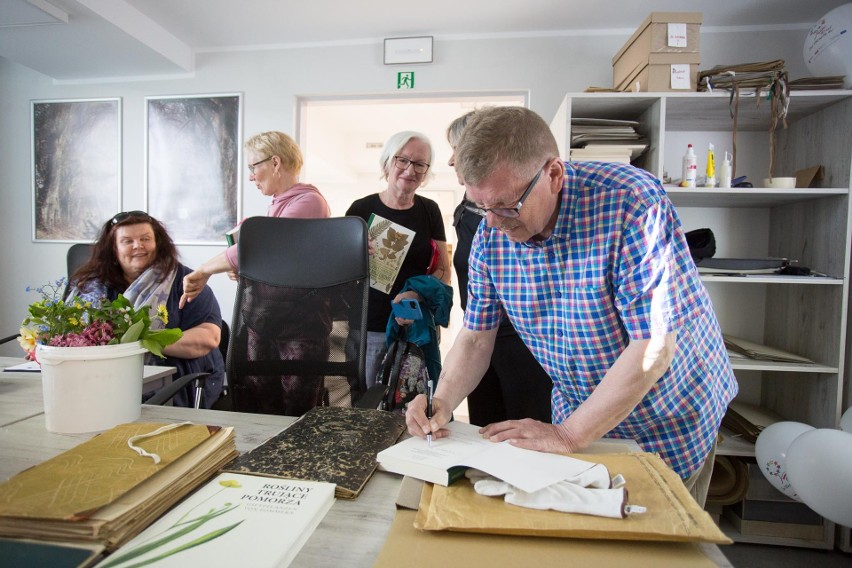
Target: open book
(389,242)
(446,459)
(232,519)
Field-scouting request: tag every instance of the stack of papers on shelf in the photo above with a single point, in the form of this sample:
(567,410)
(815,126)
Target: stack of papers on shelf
(741,265)
(331,444)
(103,492)
(605,140)
(232,519)
(748,420)
(761,352)
(817,83)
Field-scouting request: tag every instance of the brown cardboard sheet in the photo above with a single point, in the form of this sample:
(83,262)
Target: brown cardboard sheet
(412,548)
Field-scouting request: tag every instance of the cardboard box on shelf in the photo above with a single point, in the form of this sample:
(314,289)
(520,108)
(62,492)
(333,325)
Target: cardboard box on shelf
(662,40)
(665,72)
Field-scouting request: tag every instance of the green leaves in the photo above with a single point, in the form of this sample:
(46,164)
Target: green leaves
(79,323)
(187,527)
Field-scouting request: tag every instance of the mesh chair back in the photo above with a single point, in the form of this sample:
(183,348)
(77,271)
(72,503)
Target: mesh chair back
(298,336)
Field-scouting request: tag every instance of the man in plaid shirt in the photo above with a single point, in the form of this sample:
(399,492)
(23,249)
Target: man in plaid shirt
(590,263)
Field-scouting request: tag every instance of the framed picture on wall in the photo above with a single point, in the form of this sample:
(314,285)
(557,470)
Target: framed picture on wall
(76,154)
(193,152)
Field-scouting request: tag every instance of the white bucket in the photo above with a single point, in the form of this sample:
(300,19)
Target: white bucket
(88,389)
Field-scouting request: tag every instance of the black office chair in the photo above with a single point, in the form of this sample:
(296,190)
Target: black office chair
(299,330)
(74,259)
(168,392)
(76,256)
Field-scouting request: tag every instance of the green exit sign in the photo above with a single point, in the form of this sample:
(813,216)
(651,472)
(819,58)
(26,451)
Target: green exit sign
(405,80)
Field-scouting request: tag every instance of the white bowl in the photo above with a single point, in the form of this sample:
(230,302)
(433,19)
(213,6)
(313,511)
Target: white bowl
(780,182)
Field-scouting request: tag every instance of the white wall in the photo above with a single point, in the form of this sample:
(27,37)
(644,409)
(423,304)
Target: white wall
(270,82)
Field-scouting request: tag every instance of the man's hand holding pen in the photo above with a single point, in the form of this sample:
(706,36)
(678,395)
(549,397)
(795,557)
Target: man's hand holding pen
(420,425)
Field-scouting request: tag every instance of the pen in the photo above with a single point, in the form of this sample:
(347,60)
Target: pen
(429,391)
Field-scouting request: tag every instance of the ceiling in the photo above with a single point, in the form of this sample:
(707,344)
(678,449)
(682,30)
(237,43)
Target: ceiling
(91,40)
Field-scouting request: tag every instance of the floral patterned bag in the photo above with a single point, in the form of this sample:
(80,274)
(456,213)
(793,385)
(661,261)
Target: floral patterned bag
(404,372)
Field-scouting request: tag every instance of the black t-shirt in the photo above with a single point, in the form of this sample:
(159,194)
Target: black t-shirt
(424,218)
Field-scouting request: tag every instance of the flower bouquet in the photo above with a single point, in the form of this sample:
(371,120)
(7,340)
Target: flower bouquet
(79,323)
(91,357)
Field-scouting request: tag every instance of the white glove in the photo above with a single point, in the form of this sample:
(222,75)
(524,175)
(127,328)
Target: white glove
(588,493)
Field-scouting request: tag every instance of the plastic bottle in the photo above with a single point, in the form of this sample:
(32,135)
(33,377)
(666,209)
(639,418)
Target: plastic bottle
(725,171)
(690,167)
(711,168)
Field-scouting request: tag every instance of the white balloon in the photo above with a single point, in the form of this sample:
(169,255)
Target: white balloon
(819,465)
(828,46)
(770,451)
(846,420)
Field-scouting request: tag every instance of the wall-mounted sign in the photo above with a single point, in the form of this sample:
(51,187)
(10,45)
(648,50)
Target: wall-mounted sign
(405,80)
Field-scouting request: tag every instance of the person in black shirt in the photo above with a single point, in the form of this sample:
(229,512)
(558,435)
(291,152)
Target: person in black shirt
(514,386)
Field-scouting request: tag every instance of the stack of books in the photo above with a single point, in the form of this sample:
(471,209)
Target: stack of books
(605,140)
(103,493)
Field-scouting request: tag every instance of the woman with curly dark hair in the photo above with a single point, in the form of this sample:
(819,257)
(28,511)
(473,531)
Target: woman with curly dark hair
(135,256)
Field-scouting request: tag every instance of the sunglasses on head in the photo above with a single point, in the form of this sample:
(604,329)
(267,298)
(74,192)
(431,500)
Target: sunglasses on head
(124,215)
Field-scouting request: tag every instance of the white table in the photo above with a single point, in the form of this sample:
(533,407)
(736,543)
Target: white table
(351,534)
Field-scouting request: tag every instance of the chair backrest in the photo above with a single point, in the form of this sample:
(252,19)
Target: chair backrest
(299,330)
(77,255)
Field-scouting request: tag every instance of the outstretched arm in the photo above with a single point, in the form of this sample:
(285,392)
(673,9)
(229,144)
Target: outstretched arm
(194,282)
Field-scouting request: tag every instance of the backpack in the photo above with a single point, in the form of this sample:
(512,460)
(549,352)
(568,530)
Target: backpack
(404,372)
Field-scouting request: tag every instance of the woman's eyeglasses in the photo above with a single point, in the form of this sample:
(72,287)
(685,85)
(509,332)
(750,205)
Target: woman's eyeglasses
(402,163)
(124,215)
(254,165)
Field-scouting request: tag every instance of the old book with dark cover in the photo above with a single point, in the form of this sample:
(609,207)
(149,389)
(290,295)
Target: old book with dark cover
(331,444)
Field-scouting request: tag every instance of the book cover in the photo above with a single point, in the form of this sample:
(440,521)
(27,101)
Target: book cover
(446,459)
(389,244)
(22,553)
(331,444)
(229,520)
(95,473)
(233,236)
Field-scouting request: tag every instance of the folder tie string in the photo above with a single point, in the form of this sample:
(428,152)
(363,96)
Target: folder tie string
(131,442)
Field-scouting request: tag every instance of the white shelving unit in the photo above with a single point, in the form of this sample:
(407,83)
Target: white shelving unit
(806,315)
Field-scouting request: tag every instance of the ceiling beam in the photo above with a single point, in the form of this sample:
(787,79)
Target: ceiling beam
(139,26)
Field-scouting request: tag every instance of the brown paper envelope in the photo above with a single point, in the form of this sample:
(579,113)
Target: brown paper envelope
(672,514)
(412,548)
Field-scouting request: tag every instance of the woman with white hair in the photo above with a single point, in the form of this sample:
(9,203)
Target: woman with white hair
(405,164)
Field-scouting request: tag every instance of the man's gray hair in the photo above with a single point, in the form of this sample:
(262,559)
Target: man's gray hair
(509,135)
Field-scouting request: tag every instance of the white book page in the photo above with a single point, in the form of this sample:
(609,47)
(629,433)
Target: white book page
(525,469)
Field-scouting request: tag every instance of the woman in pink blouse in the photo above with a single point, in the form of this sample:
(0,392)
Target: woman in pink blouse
(274,164)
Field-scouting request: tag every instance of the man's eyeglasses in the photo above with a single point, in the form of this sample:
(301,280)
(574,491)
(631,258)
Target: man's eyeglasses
(402,163)
(512,212)
(125,215)
(254,165)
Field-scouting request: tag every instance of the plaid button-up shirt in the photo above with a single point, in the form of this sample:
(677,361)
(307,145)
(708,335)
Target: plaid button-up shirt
(616,268)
